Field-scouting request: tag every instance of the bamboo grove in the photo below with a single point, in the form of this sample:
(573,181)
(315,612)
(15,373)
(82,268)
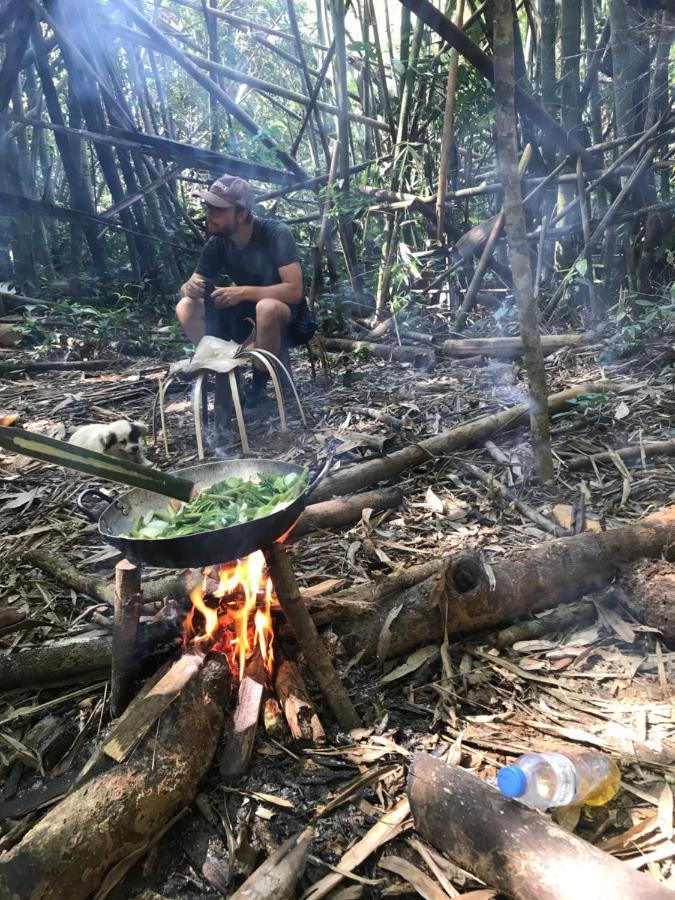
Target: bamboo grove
(369,126)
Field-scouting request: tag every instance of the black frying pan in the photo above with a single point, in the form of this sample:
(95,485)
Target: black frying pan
(206,547)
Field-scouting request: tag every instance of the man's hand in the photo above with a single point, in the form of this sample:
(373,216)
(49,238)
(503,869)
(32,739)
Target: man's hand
(194,287)
(225,297)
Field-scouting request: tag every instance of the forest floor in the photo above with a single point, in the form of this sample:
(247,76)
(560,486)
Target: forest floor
(604,682)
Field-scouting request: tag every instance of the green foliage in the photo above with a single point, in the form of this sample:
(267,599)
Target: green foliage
(582,403)
(100,324)
(640,320)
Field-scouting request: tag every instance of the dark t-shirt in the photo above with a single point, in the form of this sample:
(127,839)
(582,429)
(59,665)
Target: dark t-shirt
(271,247)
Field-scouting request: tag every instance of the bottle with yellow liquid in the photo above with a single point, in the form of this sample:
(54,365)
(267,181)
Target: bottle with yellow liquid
(545,780)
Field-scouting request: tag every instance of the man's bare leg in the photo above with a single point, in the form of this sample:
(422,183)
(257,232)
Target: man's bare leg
(272,318)
(190,314)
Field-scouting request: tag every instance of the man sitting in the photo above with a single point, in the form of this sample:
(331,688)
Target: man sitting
(260,257)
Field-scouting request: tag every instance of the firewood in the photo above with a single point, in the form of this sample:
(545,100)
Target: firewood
(466,595)
(120,810)
(515,849)
(127,611)
(308,638)
(240,737)
(280,873)
(301,716)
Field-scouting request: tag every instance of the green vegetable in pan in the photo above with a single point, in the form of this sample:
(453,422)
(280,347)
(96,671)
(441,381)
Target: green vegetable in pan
(232,501)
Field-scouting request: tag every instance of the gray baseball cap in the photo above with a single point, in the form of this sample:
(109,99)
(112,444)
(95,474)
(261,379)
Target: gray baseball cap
(227,191)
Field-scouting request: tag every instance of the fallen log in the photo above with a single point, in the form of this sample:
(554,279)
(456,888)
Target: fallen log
(119,811)
(649,448)
(420,357)
(343,511)
(468,595)
(647,589)
(355,478)
(70,365)
(519,851)
(80,657)
(509,347)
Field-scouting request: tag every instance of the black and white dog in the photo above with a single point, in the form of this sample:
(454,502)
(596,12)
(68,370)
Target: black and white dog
(121,439)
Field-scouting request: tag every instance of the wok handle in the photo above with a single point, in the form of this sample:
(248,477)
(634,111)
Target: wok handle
(92,514)
(324,469)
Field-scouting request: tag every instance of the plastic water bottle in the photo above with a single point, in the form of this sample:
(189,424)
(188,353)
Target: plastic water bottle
(543,780)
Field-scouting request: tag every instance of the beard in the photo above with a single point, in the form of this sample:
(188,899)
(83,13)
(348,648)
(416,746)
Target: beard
(225,230)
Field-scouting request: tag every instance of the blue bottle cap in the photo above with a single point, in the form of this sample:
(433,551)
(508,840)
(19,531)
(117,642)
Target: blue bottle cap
(512,781)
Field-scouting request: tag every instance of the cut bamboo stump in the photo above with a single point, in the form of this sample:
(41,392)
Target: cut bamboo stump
(120,811)
(308,639)
(467,595)
(510,847)
(126,615)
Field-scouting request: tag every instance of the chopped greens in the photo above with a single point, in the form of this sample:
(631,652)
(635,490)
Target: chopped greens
(232,501)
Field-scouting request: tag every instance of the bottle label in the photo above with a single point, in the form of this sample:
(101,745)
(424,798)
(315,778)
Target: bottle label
(566,778)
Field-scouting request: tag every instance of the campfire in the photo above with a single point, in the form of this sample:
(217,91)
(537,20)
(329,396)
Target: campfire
(232,613)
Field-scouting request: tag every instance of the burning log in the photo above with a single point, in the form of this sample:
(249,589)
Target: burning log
(301,716)
(308,638)
(467,595)
(127,611)
(240,739)
(514,849)
(119,811)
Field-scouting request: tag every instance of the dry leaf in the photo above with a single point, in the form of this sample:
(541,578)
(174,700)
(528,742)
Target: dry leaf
(426,887)
(666,811)
(433,501)
(621,411)
(412,663)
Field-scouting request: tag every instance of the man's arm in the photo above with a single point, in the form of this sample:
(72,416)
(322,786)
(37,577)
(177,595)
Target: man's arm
(288,290)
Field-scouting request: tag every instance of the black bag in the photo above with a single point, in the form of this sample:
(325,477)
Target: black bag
(303,325)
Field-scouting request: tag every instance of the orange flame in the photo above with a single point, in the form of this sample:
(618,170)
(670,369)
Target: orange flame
(242,619)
